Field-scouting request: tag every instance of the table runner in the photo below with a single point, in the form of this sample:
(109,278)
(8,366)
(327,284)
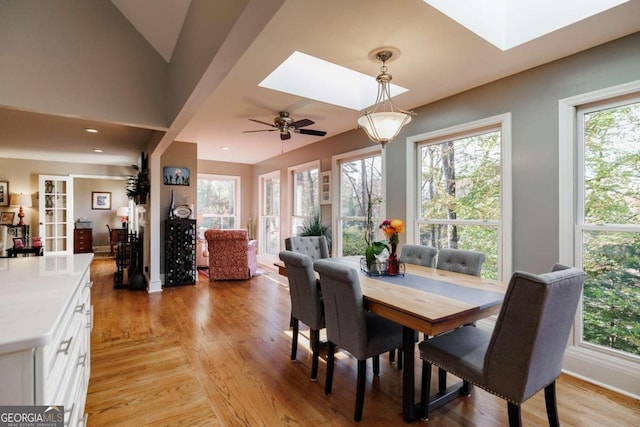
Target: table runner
(479,297)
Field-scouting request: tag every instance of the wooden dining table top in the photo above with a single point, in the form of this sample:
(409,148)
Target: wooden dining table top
(422,309)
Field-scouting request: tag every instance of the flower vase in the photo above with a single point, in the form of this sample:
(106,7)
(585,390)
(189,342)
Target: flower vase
(393,264)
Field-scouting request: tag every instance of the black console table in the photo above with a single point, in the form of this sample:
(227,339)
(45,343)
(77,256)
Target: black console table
(13,252)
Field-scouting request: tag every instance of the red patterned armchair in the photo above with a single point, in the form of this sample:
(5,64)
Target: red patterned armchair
(231,254)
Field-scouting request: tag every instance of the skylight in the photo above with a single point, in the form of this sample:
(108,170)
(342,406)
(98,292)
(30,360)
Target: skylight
(509,23)
(304,75)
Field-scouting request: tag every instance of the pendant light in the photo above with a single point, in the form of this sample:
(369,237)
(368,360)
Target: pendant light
(384,122)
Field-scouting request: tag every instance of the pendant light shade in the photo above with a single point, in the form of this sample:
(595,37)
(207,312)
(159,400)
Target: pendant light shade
(384,122)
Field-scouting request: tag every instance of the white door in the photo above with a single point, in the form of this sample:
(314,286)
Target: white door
(270,213)
(56,213)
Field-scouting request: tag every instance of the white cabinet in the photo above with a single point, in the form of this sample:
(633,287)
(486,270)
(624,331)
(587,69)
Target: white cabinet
(47,365)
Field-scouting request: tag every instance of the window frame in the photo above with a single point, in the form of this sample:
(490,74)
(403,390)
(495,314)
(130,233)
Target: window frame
(501,122)
(237,196)
(336,162)
(291,171)
(262,216)
(608,368)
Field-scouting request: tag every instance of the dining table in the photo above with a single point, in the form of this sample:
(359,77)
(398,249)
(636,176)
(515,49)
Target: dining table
(430,301)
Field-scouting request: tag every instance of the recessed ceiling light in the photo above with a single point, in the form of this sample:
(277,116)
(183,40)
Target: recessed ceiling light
(224,148)
(97,150)
(91,130)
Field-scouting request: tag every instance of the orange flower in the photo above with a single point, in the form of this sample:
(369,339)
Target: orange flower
(392,228)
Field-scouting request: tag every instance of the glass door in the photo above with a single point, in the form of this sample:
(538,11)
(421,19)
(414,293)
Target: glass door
(270,213)
(56,213)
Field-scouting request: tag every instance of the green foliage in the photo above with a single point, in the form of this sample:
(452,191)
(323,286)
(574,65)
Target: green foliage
(313,226)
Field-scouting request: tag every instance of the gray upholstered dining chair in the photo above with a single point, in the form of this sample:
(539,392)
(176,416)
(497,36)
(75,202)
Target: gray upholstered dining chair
(460,261)
(418,255)
(351,327)
(314,246)
(524,352)
(306,303)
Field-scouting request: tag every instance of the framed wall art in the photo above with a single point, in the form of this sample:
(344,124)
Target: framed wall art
(4,193)
(6,218)
(325,188)
(100,200)
(174,175)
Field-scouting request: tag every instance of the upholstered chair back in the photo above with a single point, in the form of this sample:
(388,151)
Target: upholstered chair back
(460,261)
(418,255)
(528,342)
(231,254)
(314,246)
(304,290)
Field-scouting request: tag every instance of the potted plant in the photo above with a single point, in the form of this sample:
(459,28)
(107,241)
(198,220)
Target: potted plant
(314,227)
(138,185)
(373,247)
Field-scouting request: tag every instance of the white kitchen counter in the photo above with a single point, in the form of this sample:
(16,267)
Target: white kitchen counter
(34,293)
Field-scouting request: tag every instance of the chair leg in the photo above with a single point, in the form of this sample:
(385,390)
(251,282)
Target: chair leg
(330,359)
(315,349)
(362,376)
(515,419)
(425,390)
(376,365)
(552,407)
(442,380)
(392,356)
(294,341)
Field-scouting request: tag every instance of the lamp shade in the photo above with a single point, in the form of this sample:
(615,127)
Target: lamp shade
(21,199)
(122,211)
(384,126)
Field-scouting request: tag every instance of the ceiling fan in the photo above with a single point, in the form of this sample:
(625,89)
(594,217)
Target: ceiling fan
(285,125)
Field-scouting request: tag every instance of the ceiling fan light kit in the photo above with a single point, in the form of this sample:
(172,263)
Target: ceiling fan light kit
(384,125)
(285,125)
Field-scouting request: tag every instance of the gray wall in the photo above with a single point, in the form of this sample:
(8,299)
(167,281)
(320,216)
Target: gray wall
(532,98)
(86,60)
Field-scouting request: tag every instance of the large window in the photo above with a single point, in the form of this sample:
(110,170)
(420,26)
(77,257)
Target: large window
(270,213)
(599,230)
(361,183)
(305,195)
(460,200)
(218,201)
(608,224)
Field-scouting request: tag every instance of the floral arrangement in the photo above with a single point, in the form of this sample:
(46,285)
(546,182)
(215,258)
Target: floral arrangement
(391,229)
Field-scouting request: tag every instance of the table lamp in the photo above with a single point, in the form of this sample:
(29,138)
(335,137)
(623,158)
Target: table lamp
(123,213)
(22,200)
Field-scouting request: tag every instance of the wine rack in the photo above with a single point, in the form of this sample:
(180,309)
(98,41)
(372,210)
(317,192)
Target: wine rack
(180,252)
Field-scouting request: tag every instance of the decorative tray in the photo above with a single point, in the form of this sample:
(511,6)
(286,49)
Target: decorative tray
(379,268)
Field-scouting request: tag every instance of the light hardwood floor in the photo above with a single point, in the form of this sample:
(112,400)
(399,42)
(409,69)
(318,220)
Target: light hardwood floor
(217,354)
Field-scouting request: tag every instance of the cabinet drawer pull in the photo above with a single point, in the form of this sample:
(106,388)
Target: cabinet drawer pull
(64,346)
(82,360)
(70,412)
(79,308)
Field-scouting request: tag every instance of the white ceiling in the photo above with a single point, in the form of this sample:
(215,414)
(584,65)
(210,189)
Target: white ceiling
(439,58)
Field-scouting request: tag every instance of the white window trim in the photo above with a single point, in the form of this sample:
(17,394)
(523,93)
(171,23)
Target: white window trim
(501,121)
(315,164)
(337,185)
(583,361)
(261,179)
(237,195)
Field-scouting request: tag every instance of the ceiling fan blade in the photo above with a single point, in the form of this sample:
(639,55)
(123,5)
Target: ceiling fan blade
(302,123)
(285,136)
(261,130)
(310,132)
(264,123)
